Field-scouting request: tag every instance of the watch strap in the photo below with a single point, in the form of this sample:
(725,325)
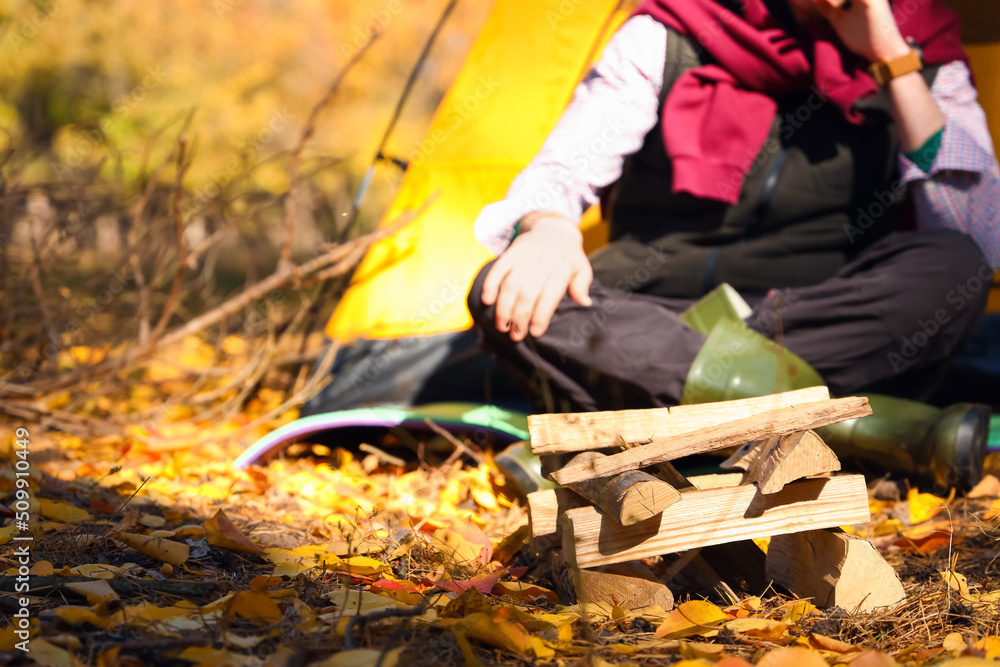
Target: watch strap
(887,70)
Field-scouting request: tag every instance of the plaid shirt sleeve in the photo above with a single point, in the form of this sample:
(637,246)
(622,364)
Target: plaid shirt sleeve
(611,111)
(961,190)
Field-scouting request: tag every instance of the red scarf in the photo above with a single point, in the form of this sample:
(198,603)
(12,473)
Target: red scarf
(717,117)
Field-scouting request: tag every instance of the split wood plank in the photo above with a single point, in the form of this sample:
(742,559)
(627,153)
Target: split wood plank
(720,436)
(630,585)
(581,431)
(834,569)
(783,459)
(628,498)
(715,516)
(546,506)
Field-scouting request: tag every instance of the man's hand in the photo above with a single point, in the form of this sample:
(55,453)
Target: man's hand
(867,27)
(529,280)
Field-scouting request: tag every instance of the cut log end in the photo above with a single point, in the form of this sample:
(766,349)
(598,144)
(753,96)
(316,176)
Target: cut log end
(834,569)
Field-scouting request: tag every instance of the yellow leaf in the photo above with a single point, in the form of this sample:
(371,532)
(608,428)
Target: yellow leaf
(695,617)
(989,645)
(362,565)
(954,642)
(96,570)
(50,655)
(988,487)
(869,658)
(221,532)
(956,582)
(58,510)
(100,589)
(255,607)
(80,616)
(42,568)
(360,657)
(262,581)
(824,643)
(794,656)
(760,628)
(701,651)
(455,548)
(8,533)
(797,611)
(923,506)
(352,603)
(159,548)
(203,655)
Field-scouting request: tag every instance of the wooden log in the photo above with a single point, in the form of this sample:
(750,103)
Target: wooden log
(715,516)
(720,436)
(544,509)
(834,569)
(546,506)
(631,585)
(581,431)
(790,457)
(665,470)
(628,498)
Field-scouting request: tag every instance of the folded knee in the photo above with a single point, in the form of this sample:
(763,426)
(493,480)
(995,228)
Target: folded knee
(480,311)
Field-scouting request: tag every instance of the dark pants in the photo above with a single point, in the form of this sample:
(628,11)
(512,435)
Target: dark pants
(886,322)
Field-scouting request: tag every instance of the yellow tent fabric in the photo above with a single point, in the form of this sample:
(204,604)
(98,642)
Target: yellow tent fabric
(517,79)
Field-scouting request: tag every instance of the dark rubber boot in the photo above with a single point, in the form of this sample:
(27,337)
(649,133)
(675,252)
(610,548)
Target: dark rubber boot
(928,445)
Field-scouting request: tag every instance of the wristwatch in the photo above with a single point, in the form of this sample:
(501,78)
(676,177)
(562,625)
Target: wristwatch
(887,70)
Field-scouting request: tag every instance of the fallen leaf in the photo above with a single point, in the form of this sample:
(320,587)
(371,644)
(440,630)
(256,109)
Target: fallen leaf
(262,581)
(8,533)
(255,607)
(954,642)
(58,510)
(221,532)
(792,656)
(797,611)
(956,582)
(204,655)
(361,657)
(484,583)
(695,617)
(361,565)
(990,646)
(159,548)
(923,542)
(522,591)
(50,655)
(99,588)
(831,644)
(80,616)
(988,487)
(758,628)
(923,506)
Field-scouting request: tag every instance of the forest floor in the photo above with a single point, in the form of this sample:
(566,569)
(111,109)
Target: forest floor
(148,548)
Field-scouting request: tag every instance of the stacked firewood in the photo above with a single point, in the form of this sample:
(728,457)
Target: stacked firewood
(622,500)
